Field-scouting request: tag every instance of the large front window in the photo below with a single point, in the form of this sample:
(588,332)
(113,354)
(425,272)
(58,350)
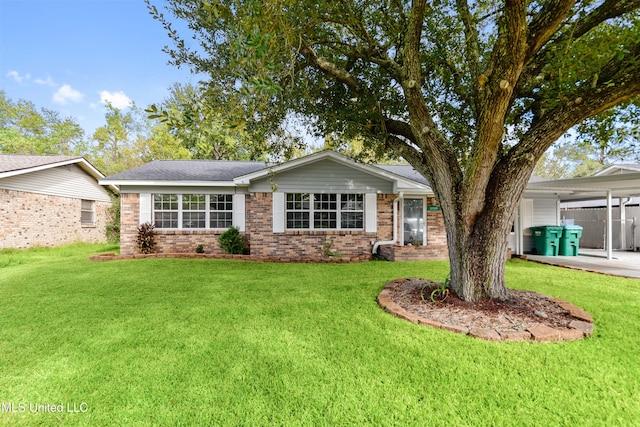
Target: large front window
(324,211)
(199,211)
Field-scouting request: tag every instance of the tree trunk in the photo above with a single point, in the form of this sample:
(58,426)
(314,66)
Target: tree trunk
(478,240)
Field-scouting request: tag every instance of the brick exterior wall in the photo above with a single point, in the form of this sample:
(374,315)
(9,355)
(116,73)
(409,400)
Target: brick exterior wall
(290,244)
(167,241)
(28,220)
(299,243)
(436,248)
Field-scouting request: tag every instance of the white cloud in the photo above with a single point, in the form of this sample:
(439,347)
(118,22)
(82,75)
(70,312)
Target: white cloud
(67,94)
(17,77)
(117,99)
(45,82)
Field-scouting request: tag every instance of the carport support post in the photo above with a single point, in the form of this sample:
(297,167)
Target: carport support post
(609,227)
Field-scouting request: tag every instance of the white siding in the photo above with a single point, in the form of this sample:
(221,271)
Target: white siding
(67,181)
(325,176)
(545,212)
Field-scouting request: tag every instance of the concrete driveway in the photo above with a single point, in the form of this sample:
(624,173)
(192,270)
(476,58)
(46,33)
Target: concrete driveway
(624,263)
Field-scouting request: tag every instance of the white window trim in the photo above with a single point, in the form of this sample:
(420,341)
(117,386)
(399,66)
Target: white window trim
(207,223)
(311,211)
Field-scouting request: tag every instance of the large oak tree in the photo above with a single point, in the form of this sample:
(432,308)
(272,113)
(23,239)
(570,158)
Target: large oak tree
(470,93)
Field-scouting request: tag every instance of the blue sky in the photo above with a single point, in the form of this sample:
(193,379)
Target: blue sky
(72,56)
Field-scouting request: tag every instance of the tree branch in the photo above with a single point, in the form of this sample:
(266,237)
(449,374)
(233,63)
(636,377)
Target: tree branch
(546,23)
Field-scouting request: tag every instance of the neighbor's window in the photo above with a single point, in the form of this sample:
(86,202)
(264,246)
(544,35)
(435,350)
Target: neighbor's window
(200,211)
(329,211)
(87,213)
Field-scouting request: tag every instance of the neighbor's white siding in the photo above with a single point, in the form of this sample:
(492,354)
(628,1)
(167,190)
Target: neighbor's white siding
(66,181)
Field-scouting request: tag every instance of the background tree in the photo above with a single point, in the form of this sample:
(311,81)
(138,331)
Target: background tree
(26,130)
(203,128)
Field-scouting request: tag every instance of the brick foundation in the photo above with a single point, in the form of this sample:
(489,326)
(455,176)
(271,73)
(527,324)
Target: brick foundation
(28,220)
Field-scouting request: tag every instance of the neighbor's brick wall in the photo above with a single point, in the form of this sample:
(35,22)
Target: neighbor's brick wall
(29,219)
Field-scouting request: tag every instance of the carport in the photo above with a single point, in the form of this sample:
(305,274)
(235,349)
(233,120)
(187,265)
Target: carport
(624,185)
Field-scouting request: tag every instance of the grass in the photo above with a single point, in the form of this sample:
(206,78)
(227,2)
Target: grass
(220,342)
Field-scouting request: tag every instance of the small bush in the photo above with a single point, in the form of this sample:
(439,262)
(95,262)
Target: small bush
(146,239)
(200,249)
(232,242)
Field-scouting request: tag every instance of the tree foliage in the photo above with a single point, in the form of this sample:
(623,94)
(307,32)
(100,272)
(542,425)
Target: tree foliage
(203,128)
(26,130)
(469,93)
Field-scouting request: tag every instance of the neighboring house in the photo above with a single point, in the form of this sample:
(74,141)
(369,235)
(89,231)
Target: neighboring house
(50,200)
(297,208)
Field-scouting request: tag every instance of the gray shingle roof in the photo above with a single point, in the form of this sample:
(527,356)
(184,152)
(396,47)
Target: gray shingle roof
(189,170)
(16,162)
(405,171)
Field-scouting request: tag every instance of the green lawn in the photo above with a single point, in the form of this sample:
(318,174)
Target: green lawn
(218,342)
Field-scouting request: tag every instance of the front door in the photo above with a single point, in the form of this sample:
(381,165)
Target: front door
(413,221)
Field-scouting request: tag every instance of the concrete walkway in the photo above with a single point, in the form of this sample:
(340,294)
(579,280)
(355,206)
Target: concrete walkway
(624,263)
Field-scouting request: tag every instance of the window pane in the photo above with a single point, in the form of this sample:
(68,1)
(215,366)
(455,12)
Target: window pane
(352,202)
(193,202)
(413,220)
(221,202)
(352,220)
(221,207)
(297,201)
(193,220)
(297,219)
(166,219)
(325,202)
(86,212)
(221,220)
(324,220)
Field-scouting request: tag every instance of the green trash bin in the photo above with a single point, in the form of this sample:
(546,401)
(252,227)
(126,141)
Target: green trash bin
(547,239)
(570,240)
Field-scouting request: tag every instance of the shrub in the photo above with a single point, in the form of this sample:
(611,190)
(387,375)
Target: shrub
(200,249)
(232,242)
(146,238)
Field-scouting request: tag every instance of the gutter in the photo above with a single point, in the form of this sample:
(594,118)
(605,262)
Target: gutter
(395,226)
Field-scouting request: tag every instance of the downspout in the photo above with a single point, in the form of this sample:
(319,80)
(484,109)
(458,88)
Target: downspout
(395,226)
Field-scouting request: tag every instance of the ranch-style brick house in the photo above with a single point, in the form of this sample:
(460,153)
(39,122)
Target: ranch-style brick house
(289,210)
(296,209)
(50,201)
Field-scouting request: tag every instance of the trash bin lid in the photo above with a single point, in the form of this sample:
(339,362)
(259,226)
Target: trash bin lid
(572,227)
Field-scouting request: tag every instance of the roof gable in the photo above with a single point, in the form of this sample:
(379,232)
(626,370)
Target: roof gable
(619,169)
(387,172)
(19,164)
